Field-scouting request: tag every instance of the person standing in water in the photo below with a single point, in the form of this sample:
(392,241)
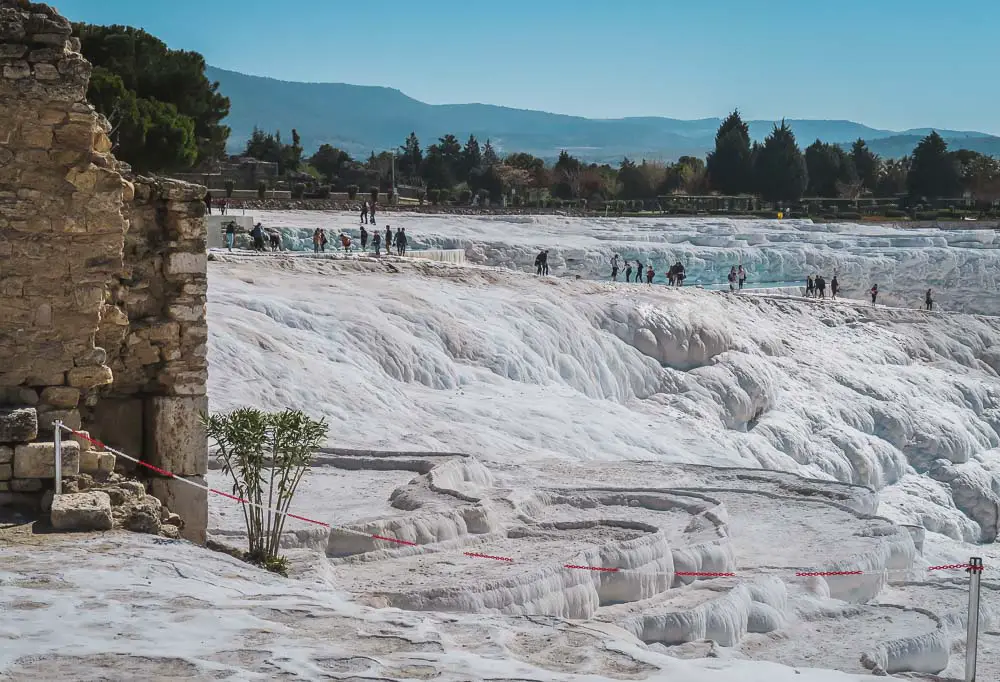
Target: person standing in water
(928,301)
(364,238)
(874,292)
(628,271)
(741,275)
(638,271)
(810,286)
(615,265)
(401,241)
(732,279)
(377,242)
(820,287)
(649,274)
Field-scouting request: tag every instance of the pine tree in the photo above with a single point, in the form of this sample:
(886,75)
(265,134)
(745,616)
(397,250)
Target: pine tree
(411,158)
(829,169)
(729,165)
(472,158)
(780,171)
(934,172)
(490,157)
(866,164)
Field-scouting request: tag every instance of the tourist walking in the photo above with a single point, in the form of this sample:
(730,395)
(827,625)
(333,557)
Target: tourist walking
(364,238)
(538,262)
(874,292)
(388,241)
(316,240)
(679,274)
(928,301)
(364,212)
(732,279)
(230,235)
(638,271)
(628,271)
(371,211)
(742,275)
(208,202)
(345,242)
(377,242)
(615,265)
(649,274)
(275,240)
(820,287)
(834,287)
(322,241)
(401,242)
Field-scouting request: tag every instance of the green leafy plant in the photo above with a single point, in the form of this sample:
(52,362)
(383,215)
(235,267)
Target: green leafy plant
(352,192)
(435,196)
(298,190)
(266,454)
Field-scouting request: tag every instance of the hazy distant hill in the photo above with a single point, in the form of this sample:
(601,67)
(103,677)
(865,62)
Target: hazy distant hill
(361,119)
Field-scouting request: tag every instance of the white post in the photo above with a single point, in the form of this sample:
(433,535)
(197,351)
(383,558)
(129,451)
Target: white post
(58,441)
(972,635)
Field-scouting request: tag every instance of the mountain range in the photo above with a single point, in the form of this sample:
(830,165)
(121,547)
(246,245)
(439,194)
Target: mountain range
(361,119)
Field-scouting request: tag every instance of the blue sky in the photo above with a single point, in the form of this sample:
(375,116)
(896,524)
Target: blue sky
(892,64)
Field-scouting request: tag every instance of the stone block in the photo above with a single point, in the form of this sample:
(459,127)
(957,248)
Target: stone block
(17,71)
(18,396)
(82,511)
(18,426)
(85,445)
(177,440)
(6,454)
(89,377)
(106,462)
(187,501)
(26,485)
(6,472)
(89,461)
(4,487)
(48,418)
(46,72)
(64,397)
(187,313)
(38,460)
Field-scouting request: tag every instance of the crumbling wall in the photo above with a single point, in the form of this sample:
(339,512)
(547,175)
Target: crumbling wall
(155,333)
(102,279)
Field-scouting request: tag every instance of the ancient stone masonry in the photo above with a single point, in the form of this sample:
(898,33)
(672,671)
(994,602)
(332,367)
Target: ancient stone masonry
(102,280)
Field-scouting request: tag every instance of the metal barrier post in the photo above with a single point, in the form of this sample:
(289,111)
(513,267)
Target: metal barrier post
(58,426)
(972,636)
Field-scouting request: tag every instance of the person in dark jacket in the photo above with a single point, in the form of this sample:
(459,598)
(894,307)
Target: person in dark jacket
(834,287)
(364,238)
(928,301)
(401,241)
(377,242)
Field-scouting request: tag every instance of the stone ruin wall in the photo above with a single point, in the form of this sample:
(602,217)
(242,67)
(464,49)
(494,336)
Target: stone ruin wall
(102,283)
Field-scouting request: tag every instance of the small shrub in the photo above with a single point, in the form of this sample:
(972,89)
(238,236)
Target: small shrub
(352,192)
(261,190)
(435,196)
(895,213)
(445,195)
(374,194)
(230,186)
(465,197)
(518,201)
(266,454)
(421,195)
(298,190)
(484,196)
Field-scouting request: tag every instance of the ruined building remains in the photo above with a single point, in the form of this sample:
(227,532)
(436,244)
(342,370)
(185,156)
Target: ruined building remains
(102,283)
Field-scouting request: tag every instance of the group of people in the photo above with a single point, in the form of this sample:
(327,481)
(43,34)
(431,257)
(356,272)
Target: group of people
(675,275)
(222,204)
(737,277)
(816,287)
(397,239)
(260,239)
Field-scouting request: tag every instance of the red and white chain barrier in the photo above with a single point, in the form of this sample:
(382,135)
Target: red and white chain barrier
(492,557)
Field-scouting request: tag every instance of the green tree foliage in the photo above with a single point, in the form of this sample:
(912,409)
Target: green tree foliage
(566,176)
(266,455)
(829,170)
(472,158)
(411,158)
(330,162)
(867,165)
(165,113)
(729,164)
(490,157)
(635,180)
(892,177)
(980,175)
(267,147)
(934,172)
(780,169)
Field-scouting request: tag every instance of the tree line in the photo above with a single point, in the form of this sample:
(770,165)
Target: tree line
(776,170)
